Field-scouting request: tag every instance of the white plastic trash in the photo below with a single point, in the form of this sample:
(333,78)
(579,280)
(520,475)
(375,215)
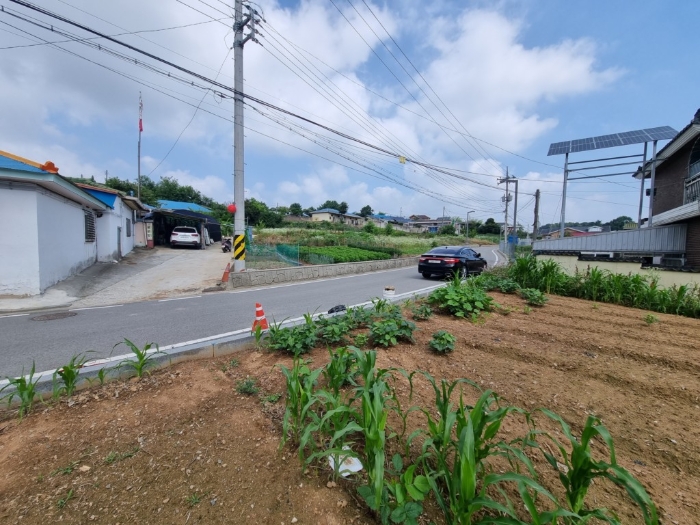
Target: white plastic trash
(349,465)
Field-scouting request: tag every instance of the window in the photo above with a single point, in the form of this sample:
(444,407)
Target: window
(128,227)
(89,226)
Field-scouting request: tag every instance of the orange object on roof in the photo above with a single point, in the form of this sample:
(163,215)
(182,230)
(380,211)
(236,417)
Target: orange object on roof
(46,166)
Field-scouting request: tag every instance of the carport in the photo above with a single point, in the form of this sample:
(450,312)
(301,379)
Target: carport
(164,221)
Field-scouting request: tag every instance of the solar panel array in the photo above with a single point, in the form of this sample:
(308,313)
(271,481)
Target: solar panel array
(610,141)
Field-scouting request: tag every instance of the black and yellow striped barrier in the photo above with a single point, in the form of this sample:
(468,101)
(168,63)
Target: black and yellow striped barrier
(239,247)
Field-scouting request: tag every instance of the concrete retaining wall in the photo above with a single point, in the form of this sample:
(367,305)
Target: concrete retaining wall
(305,273)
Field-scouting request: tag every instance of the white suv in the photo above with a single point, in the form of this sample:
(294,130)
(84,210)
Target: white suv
(185,235)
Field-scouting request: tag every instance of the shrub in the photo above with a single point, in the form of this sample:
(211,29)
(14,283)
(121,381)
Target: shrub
(296,340)
(462,299)
(341,254)
(442,342)
(388,332)
(247,387)
(421,312)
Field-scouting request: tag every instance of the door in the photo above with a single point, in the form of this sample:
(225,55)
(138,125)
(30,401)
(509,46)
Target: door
(119,242)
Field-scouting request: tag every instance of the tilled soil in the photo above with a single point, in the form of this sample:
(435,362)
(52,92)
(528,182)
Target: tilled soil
(183,446)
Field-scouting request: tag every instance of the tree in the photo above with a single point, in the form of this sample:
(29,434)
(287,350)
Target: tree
(335,205)
(366,211)
(343,207)
(388,229)
(295,209)
(619,223)
(370,227)
(489,227)
(447,229)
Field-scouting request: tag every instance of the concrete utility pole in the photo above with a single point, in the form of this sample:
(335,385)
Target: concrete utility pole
(562,226)
(536,225)
(472,211)
(238,159)
(652,186)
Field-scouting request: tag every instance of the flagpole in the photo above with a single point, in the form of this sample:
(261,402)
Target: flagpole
(139,149)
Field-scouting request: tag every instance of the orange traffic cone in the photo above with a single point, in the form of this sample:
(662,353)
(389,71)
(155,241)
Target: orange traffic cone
(227,271)
(259,318)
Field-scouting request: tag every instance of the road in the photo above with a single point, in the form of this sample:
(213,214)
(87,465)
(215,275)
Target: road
(51,343)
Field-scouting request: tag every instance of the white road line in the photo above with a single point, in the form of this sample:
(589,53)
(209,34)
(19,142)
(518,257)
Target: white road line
(179,298)
(95,307)
(13,315)
(311,281)
(496,255)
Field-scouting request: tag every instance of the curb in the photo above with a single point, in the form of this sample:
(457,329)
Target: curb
(209,347)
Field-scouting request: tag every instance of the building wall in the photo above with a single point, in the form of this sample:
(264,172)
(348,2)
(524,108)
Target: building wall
(670,181)
(692,246)
(107,231)
(61,234)
(19,249)
(317,217)
(667,278)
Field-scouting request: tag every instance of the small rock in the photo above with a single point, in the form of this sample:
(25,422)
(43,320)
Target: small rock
(330,484)
(294,520)
(83,468)
(213,502)
(166,500)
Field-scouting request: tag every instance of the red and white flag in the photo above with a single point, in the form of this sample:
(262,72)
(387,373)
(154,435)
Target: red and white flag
(140,113)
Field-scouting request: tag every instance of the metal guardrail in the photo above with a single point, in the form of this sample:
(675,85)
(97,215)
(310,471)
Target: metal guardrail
(661,239)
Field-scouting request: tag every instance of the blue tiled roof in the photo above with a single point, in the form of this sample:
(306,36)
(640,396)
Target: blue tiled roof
(175,205)
(107,197)
(11,164)
(391,218)
(327,210)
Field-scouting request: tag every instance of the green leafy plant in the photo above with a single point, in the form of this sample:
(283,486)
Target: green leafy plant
(527,310)
(258,334)
(333,330)
(193,499)
(442,342)
(143,358)
(68,469)
(361,340)
(300,382)
(340,369)
(114,456)
(271,398)
(421,312)
(388,332)
(69,374)
(24,389)
(533,297)
(407,491)
(650,319)
(247,386)
(296,340)
(462,299)
(102,375)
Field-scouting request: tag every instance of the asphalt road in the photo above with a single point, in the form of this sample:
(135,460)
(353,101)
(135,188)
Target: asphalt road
(51,343)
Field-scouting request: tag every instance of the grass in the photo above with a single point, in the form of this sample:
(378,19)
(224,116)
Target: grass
(193,499)
(68,469)
(650,319)
(114,456)
(247,386)
(61,503)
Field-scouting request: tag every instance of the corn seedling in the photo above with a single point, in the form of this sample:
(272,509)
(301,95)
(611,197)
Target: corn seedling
(442,342)
(340,369)
(114,457)
(247,386)
(300,383)
(193,499)
(24,389)
(581,469)
(61,503)
(258,334)
(69,374)
(143,358)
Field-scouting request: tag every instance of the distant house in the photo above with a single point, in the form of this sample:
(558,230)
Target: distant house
(434,225)
(49,227)
(332,215)
(117,227)
(419,218)
(569,232)
(178,205)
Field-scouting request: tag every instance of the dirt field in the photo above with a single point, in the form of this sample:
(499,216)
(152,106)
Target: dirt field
(184,447)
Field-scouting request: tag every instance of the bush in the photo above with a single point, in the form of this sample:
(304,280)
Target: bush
(533,297)
(388,332)
(462,299)
(341,254)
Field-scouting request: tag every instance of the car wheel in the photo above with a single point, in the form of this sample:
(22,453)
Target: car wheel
(463,273)
(426,275)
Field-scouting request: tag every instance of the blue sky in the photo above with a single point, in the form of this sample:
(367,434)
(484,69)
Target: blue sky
(515,74)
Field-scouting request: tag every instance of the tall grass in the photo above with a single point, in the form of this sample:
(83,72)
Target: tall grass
(637,291)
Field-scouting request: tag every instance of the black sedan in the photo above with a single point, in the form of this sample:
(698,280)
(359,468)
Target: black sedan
(448,260)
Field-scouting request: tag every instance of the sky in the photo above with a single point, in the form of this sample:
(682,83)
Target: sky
(463,90)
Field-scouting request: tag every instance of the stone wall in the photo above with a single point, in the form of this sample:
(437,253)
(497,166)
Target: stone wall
(306,273)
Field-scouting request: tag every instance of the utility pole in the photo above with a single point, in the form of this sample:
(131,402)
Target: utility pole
(507,198)
(536,225)
(471,211)
(138,186)
(562,226)
(238,159)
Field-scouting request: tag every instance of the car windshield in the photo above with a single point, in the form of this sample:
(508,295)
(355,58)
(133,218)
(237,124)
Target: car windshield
(184,229)
(446,250)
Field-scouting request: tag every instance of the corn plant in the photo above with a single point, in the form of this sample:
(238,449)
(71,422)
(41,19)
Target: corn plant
(300,383)
(24,389)
(582,468)
(442,342)
(340,369)
(143,358)
(69,374)
(258,334)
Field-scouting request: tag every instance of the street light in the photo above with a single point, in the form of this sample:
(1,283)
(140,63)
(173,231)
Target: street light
(472,211)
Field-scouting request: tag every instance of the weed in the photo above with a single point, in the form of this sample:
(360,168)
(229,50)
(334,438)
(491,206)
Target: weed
(595,306)
(533,297)
(233,363)
(114,457)
(462,299)
(442,342)
(271,398)
(650,319)
(527,310)
(258,334)
(24,389)
(143,358)
(361,340)
(247,386)
(193,499)
(61,503)
(65,470)
(296,340)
